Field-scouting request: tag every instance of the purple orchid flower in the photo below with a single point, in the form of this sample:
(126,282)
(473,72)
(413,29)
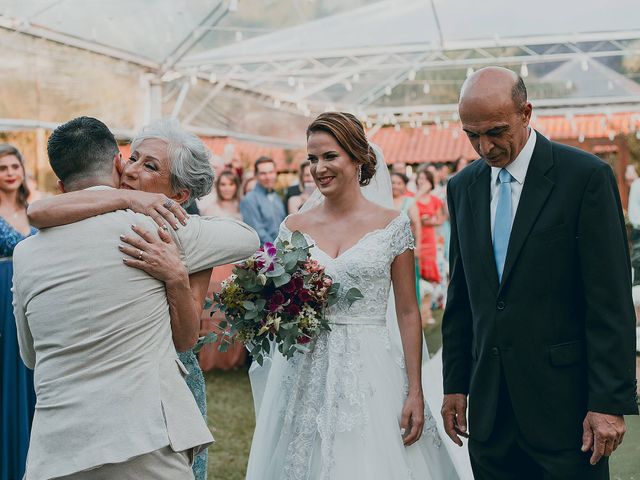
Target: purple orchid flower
(266,257)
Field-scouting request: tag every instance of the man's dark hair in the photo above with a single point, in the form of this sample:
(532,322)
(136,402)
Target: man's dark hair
(81,148)
(519,93)
(262,160)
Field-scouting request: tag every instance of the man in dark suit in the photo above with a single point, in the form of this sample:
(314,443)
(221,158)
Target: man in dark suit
(539,327)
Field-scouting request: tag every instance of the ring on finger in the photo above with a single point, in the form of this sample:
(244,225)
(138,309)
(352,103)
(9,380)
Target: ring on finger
(140,254)
(168,204)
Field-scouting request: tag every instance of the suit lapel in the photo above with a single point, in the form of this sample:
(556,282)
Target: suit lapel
(535,192)
(480,199)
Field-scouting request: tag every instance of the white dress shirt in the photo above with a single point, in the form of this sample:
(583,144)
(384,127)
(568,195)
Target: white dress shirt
(518,170)
(634,204)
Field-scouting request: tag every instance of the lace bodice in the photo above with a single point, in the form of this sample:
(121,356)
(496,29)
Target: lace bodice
(365,266)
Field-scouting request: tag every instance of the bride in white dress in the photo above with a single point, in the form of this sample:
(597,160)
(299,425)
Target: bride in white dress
(353,407)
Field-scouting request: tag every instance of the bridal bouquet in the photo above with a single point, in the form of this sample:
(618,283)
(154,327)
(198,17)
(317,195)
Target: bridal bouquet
(278,295)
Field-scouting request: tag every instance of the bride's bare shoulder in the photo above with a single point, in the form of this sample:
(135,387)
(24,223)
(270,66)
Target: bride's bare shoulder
(382,214)
(300,221)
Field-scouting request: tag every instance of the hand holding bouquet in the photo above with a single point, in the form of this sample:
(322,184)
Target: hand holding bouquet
(278,295)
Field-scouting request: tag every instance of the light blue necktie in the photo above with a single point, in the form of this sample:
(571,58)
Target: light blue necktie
(503,221)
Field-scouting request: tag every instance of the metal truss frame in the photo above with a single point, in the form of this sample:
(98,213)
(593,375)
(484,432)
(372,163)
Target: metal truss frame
(299,80)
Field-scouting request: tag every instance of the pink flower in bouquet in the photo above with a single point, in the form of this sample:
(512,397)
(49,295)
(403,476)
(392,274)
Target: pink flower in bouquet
(312,266)
(265,258)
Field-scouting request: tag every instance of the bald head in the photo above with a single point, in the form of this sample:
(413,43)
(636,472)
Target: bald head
(497,83)
(495,114)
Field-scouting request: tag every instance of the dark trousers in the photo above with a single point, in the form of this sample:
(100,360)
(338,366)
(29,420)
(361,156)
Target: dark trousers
(506,455)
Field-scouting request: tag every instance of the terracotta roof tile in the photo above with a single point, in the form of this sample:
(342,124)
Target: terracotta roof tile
(433,143)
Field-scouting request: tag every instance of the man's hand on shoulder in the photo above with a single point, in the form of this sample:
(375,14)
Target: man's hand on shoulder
(602,433)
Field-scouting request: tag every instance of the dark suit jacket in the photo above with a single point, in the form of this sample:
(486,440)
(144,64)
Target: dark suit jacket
(561,326)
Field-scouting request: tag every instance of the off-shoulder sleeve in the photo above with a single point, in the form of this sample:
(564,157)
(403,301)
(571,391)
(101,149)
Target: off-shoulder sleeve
(283,232)
(401,235)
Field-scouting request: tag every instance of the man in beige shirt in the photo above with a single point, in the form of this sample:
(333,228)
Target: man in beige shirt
(111,398)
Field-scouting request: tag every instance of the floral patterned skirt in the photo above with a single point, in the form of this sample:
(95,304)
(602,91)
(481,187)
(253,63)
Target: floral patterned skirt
(195,382)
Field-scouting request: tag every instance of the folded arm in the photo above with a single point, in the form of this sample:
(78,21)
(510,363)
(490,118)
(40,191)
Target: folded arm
(207,242)
(76,206)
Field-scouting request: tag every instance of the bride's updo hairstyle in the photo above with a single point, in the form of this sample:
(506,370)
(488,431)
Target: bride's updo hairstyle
(348,131)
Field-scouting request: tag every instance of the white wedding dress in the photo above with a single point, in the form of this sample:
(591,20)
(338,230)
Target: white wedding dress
(334,413)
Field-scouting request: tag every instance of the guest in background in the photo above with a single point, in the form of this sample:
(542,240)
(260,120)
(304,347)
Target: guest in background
(633,211)
(248,184)
(235,165)
(227,205)
(460,164)
(427,213)
(402,197)
(17,397)
(262,208)
(306,186)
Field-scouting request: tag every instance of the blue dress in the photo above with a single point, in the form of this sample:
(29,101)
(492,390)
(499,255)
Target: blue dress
(17,397)
(195,382)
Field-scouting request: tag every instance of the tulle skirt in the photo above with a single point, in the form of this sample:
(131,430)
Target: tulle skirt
(334,413)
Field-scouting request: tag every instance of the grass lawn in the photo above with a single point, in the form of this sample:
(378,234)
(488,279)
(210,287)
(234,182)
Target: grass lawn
(231,418)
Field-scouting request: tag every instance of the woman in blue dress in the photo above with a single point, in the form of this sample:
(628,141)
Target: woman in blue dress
(17,398)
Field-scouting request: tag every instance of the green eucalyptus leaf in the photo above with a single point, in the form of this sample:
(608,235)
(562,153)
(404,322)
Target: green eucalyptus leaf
(281,280)
(298,240)
(276,272)
(255,288)
(352,295)
(248,305)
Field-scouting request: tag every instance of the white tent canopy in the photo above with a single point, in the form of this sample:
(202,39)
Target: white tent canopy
(259,68)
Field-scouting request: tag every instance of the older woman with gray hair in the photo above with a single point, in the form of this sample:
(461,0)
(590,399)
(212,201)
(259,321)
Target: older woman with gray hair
(168,168)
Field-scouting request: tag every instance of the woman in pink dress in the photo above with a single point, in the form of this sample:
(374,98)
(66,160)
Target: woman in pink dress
(227,204)
(427,213)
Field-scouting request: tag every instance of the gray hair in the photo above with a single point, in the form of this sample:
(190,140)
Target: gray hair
(189,158)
